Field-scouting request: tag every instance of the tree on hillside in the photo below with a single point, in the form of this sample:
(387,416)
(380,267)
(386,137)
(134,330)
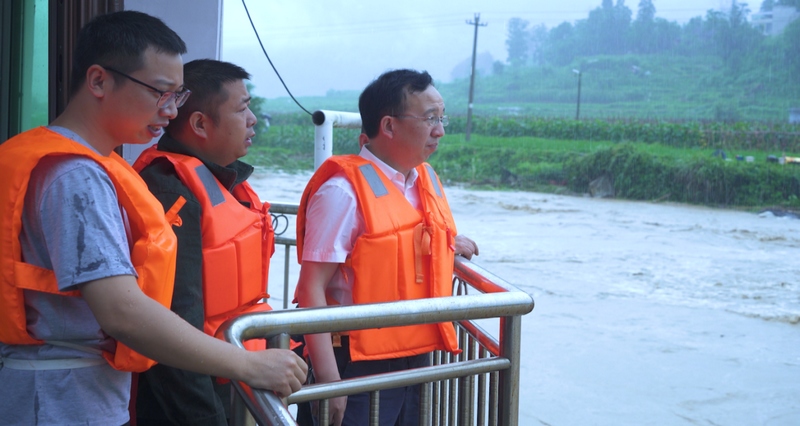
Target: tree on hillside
(791,49)
(738,37)
(727,36)
(795,3)
(697,34)
(498,68)
(605,31)
(538,39)
(643,28)
(561,45)
(666,35)
(259,107)
(767,5)
(646,12)
(517,41)
(622,19)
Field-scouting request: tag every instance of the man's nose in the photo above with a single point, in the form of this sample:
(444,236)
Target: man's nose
(170,109)
(438,130)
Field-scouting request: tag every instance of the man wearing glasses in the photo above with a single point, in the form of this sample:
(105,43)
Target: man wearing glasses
(225,237)
(87,254)
(376,227)
(164,96)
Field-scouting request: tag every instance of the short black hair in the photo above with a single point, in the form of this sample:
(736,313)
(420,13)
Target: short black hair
(119,40)
(386,95)
(206,78)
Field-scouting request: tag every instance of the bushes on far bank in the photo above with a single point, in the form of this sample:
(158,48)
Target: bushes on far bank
(639,175)
(647,170)
(637,171)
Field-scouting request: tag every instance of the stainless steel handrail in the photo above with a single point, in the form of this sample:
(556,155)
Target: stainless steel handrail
(500,300)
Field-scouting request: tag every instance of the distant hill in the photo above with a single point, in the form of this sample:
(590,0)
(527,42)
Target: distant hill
(717,67)
(666,87)
(670,87)
(483,66)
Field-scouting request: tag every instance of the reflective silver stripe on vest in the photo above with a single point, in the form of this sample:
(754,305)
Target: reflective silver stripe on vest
(210,183)
(49,364)
(373,180)
(434,182)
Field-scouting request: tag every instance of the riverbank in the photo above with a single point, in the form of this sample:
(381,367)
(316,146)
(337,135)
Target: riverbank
(699,175)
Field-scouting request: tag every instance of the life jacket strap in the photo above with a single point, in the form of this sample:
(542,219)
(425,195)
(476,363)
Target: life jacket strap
(172,214)
(422,247)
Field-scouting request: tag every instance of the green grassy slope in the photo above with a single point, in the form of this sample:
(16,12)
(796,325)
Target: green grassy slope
(668,87)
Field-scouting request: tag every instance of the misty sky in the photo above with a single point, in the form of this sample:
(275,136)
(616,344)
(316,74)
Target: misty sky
(342,45)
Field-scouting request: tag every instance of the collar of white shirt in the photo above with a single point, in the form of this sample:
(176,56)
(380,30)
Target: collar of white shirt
(397,178)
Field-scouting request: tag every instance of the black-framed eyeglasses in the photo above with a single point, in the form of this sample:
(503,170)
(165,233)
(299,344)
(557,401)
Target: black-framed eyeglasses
(431,120)
(165,97)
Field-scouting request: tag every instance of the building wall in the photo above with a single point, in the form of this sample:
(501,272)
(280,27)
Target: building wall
(198,22)
(783,16)
(775,21)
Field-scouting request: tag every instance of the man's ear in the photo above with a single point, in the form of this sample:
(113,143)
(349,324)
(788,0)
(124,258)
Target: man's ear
(198,123)
(387,126)
(98,81)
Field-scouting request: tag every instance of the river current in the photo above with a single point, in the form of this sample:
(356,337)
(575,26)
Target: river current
(646,313)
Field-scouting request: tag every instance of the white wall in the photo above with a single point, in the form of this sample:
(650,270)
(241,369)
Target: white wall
(198,22)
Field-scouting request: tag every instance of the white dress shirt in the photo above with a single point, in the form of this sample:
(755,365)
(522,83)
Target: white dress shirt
(334,222)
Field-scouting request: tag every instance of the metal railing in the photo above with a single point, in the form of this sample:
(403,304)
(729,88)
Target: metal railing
(478,386)
(280,223)
(450,394)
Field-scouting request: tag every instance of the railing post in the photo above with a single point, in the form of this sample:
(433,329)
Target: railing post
(286,276)
(374,408)
(240,415)
(324,122)
(510,329)
(452,409)
(425,405)
(323,138)
(481,415)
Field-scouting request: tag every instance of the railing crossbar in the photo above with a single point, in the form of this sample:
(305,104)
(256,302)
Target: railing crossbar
(374,315)
(397,379)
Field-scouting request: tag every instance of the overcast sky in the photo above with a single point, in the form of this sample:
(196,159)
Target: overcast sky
(342,45)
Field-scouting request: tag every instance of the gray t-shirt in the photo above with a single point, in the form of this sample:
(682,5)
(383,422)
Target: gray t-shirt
(72,223)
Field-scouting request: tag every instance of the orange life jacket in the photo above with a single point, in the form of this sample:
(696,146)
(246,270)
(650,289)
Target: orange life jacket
(238,241)
(404,254)
(153,243)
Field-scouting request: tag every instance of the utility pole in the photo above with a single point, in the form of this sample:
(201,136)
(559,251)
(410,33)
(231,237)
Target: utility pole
(578,109)
(477,24)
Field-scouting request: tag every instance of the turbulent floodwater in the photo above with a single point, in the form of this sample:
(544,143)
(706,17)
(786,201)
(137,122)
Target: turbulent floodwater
(645,313)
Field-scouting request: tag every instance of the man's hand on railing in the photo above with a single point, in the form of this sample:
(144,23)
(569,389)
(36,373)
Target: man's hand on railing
(466,247)
(279,370)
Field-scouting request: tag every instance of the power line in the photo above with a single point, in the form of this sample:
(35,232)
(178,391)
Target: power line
(270,60)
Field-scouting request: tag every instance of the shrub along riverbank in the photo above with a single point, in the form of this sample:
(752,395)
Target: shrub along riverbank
(686,167)
(636,171)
